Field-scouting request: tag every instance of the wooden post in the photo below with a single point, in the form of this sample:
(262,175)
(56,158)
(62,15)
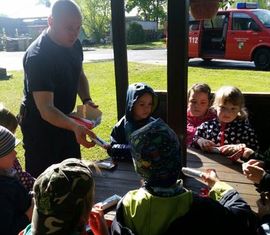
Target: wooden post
(177,69)
(120,54)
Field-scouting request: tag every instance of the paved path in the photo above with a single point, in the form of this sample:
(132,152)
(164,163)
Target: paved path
(157,56)
(13,60)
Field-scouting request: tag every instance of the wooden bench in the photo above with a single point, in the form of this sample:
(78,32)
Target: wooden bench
(258,105)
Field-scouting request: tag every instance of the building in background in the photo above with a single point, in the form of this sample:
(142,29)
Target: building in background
(16,34)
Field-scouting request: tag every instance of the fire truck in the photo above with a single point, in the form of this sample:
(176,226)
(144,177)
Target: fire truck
(234,34)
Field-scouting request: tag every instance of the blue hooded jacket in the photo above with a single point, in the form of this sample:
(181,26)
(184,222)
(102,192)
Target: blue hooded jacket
(120,149)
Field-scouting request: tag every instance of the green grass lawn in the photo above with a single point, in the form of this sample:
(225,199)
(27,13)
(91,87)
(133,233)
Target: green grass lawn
(101,76)
(145,46)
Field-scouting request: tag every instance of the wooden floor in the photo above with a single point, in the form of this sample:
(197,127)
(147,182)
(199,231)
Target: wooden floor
(123,178)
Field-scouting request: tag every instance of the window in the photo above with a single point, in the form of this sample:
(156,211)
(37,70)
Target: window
(242,21)
(215,23)
(194,25)
(263,16)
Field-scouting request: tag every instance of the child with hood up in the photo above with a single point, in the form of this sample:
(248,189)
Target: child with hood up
(141,102)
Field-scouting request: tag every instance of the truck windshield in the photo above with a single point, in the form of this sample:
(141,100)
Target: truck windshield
(264,17)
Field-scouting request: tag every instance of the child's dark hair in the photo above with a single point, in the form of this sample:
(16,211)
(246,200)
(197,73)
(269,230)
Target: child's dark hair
(231,94)
(200,87)
(8,119)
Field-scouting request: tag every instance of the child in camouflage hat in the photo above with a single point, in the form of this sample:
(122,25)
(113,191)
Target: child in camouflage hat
(63,200)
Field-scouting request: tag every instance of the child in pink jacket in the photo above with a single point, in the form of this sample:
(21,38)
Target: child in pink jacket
(199,102)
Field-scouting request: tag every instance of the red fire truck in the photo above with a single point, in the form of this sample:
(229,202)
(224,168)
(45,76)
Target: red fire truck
(234,34)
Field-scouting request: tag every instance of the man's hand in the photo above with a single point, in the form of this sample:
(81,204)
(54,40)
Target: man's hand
(81,134)
(91,103)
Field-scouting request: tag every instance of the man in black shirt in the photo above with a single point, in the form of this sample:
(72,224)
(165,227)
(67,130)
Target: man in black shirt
(53,76)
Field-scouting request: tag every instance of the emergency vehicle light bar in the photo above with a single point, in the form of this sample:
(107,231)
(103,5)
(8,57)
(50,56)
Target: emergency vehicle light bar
(247,5)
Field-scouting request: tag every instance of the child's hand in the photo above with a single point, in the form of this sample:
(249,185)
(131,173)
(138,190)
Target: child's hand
(107,146)
(254,162)
(264,204)
(253,170)
(97,222)
(29,211)
(230,149)
(247,153)
(210,177)
(205,145)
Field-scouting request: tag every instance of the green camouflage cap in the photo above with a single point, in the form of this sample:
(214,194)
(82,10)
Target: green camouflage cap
(155,151)
(61,193)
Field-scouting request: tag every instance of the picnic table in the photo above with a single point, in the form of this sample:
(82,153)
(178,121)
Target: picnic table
(123,178)
(227,171)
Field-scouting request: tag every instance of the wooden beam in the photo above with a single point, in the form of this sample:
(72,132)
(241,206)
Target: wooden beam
(177,68)
(120,54)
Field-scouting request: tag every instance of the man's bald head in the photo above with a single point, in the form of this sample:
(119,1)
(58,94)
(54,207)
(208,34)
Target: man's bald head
(65,7)
(64,22)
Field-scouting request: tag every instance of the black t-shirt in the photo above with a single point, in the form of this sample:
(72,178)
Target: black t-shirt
(50,67)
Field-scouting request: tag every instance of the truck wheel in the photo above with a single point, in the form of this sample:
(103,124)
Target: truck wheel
(262,59)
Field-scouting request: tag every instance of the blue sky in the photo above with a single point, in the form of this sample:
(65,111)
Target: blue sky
(29,8)
(22,8)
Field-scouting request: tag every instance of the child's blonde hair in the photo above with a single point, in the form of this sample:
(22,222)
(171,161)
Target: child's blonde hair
(8,119)
(231,94)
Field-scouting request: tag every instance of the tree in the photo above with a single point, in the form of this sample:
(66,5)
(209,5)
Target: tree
(263,4)
(47,3)
(153,10)
(96,17)
(135,34)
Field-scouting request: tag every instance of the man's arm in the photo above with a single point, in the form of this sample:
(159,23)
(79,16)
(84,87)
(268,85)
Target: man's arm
(84,90)
(44,103)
